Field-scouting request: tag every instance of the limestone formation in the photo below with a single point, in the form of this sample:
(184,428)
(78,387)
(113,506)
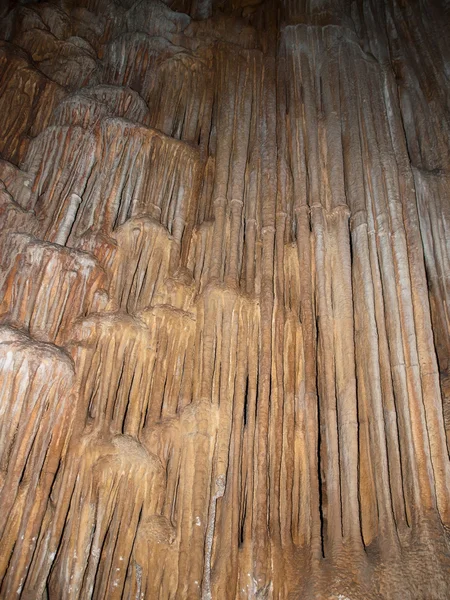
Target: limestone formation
(224,300)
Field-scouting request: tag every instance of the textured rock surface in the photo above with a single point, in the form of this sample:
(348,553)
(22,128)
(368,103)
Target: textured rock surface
(224,300)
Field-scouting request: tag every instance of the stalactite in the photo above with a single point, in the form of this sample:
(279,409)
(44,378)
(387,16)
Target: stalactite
(224,300)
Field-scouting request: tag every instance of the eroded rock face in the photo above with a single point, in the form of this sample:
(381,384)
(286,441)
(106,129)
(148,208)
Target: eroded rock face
(224,300)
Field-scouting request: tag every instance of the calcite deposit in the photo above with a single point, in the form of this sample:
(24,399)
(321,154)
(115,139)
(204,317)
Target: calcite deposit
(224,300)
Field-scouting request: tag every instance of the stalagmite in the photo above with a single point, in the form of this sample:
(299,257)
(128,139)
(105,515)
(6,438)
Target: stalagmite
(224,300)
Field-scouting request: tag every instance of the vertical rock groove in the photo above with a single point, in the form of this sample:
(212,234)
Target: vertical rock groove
(224,300)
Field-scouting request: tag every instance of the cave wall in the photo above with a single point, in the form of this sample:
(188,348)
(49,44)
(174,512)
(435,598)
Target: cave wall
(224,300)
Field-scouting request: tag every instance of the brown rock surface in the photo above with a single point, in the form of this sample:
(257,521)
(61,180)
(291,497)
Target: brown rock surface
(224,300)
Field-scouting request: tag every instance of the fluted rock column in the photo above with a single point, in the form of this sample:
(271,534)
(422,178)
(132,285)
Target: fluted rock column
(224,300)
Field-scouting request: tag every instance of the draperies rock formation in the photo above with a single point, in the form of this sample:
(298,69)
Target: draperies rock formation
(224,300)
